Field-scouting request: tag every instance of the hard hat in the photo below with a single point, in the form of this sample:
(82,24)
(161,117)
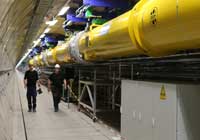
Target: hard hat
(30,63)
(57,66)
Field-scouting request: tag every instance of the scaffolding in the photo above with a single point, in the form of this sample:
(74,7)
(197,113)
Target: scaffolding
(105,88)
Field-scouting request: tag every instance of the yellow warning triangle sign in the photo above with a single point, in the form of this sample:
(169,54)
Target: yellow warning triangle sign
(163,95)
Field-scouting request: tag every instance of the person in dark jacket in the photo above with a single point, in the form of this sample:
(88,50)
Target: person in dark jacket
(56,82)
(30,81)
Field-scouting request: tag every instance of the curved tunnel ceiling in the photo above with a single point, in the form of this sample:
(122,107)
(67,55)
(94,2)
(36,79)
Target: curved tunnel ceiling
(14,24)
(20,21)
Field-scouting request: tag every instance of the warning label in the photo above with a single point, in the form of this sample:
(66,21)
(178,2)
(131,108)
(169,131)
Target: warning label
(163,95)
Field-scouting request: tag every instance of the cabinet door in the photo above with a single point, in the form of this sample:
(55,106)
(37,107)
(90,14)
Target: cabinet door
(129,125)
(144,111)
(164,113)
(136,111)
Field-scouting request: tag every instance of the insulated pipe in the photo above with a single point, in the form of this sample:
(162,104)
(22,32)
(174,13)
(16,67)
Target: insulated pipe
(149,28)
(51,56)
(153,28)
(111,40)
(39,60)
(44,57)
(31,62)
(59,54)
(62,53)
(166,27)
(35,60)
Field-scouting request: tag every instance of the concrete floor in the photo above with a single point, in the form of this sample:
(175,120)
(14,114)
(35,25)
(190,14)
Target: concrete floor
(45,124)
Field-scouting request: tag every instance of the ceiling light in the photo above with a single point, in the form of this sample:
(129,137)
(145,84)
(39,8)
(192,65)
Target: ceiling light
(63,11)
(23,58)
(69,23)
(47,30)
(36,42)
(51,23)
(42,36)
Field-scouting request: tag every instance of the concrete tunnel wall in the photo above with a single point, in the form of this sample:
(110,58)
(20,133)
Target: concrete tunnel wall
(7,89)
(15,17)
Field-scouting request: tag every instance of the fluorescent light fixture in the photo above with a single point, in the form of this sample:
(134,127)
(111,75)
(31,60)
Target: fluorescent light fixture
(63,11)
(23,58)
(47,30)
(36,42)
(42,36)
(69,23)
(51,23)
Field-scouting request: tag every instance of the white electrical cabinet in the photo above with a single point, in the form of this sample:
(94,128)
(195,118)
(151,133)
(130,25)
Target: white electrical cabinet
(154,111)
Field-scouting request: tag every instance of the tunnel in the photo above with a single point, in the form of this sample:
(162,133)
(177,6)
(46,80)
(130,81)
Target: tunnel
(129,69)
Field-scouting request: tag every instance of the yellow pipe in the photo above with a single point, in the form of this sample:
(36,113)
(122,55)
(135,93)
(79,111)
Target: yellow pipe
(35,61)
(51,56)
(31,62)
(43,57)
(153,28)
(150,28)
(62,53)
(40,60)
(110,40)
(165,27)
(59,54)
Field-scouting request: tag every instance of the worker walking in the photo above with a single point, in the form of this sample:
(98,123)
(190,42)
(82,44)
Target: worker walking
(56,82)
(30,81)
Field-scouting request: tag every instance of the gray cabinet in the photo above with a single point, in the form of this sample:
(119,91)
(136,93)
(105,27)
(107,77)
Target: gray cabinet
(144,116)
